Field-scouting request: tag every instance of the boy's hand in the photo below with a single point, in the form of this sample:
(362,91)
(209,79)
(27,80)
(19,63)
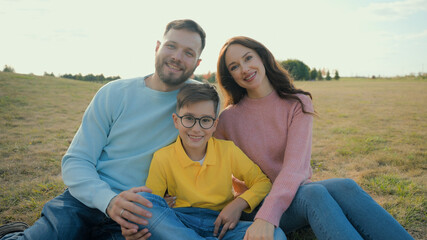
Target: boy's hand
(229,216)
(260,229)
(122,208)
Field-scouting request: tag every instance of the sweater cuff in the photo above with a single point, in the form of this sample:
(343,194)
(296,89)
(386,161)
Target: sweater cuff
(103,199)
(270,212)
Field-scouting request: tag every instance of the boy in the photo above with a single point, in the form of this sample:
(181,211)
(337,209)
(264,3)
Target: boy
(197,169)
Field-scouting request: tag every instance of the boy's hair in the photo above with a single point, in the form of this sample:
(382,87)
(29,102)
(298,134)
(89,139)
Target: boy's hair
(193,93)
(189,25)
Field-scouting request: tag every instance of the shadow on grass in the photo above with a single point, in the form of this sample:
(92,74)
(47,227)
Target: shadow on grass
(302,234)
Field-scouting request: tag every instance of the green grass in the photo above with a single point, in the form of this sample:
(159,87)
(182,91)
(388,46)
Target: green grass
(371,130)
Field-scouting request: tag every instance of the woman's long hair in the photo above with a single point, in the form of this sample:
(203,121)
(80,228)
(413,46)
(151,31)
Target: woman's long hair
(279,78)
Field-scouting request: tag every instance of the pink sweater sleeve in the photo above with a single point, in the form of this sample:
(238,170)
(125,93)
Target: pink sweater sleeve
(296,165)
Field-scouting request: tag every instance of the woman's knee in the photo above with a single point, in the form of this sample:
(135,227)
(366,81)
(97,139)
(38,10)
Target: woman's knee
(345,189)
(343,186)
(312,193)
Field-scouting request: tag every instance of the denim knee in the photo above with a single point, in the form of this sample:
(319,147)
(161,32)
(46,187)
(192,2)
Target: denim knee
(344,187)
(159,211)
(154,199)
(313,193)
(347,185)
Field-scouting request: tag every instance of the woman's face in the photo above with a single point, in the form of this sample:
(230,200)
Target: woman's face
(247,69)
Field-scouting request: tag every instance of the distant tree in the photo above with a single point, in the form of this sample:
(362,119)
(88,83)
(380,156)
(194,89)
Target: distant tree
(212,77)
(337,76)
(8,69)
(100,77)
(198,78)
(328,76)
(313,74)
(319,75)
(79,77)
(112,78)
(89,77)
(297,69)
(48,74)
(206,76)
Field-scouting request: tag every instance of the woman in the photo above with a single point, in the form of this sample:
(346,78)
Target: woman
(271,121)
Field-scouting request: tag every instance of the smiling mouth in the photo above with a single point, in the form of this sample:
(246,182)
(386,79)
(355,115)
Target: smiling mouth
(250,77)
(173,66)
(195,138)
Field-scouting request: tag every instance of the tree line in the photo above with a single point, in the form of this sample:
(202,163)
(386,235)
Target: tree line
(300,71)
(88,77)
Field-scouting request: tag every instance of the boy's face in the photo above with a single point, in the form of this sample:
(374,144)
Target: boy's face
(195,139)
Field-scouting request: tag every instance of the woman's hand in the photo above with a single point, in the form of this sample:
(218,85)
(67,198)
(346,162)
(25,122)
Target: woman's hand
(170,200)
(260,229)
(229,216)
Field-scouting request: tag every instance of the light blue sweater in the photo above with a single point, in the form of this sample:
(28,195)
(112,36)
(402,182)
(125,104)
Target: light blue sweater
(123,126)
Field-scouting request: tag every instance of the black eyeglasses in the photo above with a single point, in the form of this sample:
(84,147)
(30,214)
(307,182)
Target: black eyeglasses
(189,121)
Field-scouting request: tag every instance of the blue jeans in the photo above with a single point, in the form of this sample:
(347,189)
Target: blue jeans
(189,223)
(65,217)
(338,209)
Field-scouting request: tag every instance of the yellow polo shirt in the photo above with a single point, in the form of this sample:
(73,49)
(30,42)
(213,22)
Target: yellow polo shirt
(208,185)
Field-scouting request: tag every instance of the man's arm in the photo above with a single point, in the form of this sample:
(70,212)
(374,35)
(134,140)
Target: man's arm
(79,163)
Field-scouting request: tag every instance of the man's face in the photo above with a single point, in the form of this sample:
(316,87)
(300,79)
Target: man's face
(178,56)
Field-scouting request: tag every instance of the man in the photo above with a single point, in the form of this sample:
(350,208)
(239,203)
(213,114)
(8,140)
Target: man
(108,160)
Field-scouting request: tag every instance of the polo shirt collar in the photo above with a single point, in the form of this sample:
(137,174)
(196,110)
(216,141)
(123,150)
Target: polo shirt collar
(185,161)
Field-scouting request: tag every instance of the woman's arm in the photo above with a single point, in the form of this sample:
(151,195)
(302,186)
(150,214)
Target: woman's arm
(296,167)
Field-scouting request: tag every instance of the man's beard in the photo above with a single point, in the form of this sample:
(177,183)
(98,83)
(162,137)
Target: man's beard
(169,79)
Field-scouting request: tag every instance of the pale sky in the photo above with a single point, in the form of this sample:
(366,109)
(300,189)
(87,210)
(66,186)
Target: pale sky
(356,37)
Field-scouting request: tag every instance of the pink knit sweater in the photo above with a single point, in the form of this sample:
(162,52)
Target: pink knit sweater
(276,135)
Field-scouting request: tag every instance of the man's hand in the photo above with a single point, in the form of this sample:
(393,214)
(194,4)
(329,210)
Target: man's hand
(260,229)
(133,234)
(229,216)
(122,208)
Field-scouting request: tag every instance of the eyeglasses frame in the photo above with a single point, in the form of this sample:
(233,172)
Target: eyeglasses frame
(196,120)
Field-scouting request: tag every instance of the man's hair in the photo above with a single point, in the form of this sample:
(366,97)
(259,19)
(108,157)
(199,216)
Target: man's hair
(189,25)
(193,93)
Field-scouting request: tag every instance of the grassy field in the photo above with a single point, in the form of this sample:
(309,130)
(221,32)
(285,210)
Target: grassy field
(371,130)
